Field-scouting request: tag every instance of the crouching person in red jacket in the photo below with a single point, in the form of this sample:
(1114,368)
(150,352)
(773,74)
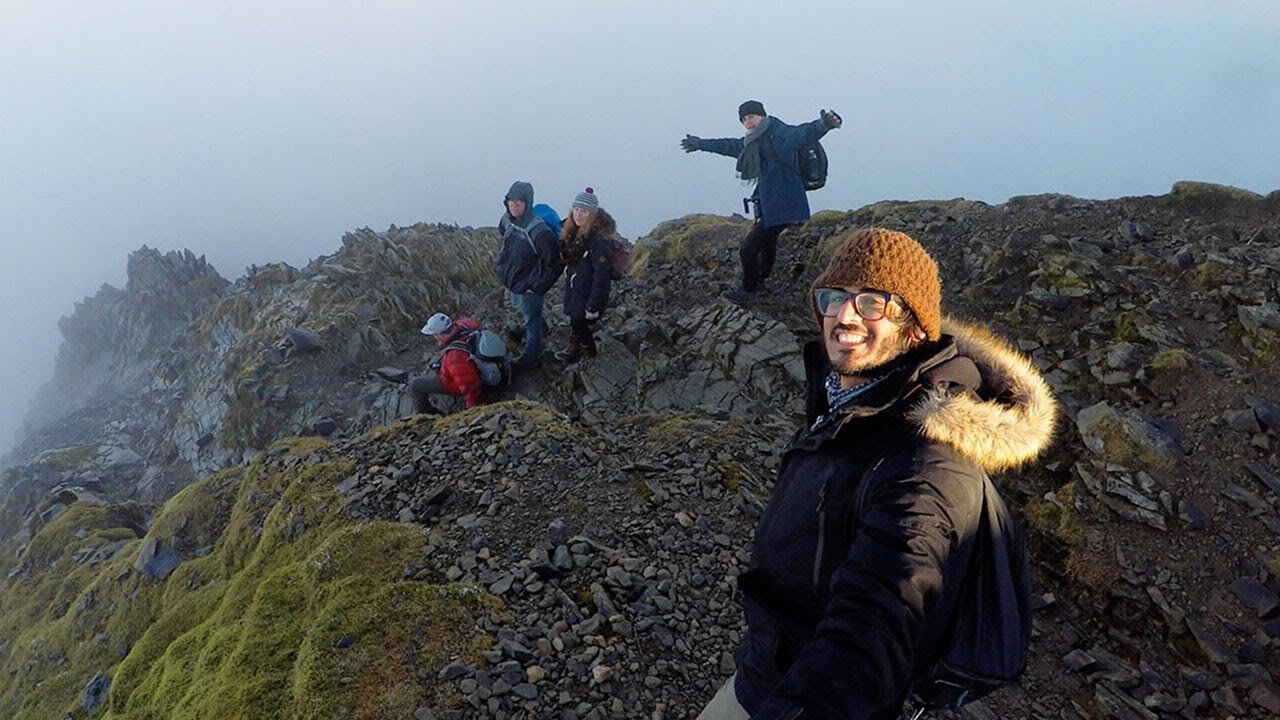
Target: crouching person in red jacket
(453,371)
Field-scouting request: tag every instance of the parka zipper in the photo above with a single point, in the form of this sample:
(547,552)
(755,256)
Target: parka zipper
(822,533)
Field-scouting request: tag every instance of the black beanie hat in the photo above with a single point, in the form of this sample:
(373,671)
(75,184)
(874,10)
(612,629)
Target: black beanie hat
(751,107)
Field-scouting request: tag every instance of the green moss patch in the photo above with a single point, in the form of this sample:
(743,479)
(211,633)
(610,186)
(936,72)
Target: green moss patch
(691,240)
(732,476)
(695,428)
(57,612)
(1205,275)
(300,446)
(283,607)
(545,418)
(1120,447)
(68,458)
(1127,327)
(824,219)
(1170,361)
(1192,190)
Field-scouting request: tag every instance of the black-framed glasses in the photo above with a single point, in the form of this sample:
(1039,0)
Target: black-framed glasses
(870,304)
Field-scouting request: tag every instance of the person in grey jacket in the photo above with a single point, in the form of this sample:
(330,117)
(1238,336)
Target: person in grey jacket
(528,266)
(848,603)
(768,156)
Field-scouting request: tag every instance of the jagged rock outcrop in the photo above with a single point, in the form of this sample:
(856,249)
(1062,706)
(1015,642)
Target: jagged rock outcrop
(191,374)
(111,339)
(606,511)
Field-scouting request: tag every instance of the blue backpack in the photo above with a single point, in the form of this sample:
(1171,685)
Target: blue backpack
(549,216)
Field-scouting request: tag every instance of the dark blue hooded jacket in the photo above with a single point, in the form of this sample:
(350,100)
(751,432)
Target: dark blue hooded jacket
(780,190)
(844,612)
(530,258)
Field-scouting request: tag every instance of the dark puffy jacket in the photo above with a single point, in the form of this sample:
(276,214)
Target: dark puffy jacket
(458,373)
(588,266)
(530,258)
(844,612)
(780,190)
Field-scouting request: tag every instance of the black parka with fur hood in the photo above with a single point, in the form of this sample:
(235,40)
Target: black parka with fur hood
(844,612)
(588,267)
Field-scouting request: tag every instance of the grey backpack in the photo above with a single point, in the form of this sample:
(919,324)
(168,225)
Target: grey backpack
(489,353)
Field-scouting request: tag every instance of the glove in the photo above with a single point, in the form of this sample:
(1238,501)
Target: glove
(592,315)
(830,119)
(690,143)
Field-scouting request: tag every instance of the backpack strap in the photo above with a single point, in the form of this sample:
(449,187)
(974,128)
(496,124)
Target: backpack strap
(796,170)
(461,342)
(507,225)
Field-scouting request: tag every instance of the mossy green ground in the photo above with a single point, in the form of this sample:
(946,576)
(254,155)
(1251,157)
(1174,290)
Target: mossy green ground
(249,626)
(692,240)
(1173,360)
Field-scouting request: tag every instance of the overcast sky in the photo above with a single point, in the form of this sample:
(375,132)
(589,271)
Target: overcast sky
(254,132)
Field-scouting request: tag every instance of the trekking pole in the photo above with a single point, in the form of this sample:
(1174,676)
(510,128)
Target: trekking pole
(918,714)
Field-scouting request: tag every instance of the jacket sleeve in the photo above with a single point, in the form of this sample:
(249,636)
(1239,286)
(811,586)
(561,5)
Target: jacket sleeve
(601,275)
(903,557)
(787,139)
(549,265)
(459,376)
(722,146)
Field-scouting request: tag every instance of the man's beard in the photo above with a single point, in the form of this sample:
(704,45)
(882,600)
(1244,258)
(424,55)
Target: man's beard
(893,348)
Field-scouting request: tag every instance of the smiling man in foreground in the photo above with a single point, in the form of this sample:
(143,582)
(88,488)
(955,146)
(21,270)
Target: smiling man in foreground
(860,557)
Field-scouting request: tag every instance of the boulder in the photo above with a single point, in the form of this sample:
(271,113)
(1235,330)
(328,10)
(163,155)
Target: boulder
(95,693)
(301,341)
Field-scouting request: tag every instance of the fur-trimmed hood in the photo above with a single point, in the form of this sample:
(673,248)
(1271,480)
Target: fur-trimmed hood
(971,391)
(1009,421)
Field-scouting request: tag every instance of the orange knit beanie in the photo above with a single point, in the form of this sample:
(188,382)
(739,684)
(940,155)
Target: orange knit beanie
(889,261)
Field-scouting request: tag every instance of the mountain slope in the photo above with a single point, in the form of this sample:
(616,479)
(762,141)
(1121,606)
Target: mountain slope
(572,551)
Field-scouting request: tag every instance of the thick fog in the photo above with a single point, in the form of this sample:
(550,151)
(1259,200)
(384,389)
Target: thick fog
(253,132)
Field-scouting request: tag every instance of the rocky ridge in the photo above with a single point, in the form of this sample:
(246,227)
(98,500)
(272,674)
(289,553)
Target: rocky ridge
(609,510)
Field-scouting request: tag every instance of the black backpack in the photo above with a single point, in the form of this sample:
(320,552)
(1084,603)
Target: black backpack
(813,166)
(811,162)
(986,645)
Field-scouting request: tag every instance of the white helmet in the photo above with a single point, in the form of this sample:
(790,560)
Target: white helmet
(437,324)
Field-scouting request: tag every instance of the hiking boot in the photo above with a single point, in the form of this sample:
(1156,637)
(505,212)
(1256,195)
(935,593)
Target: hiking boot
(764,289)
(739,297)
(526,363)
(568,357)
(572,353)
